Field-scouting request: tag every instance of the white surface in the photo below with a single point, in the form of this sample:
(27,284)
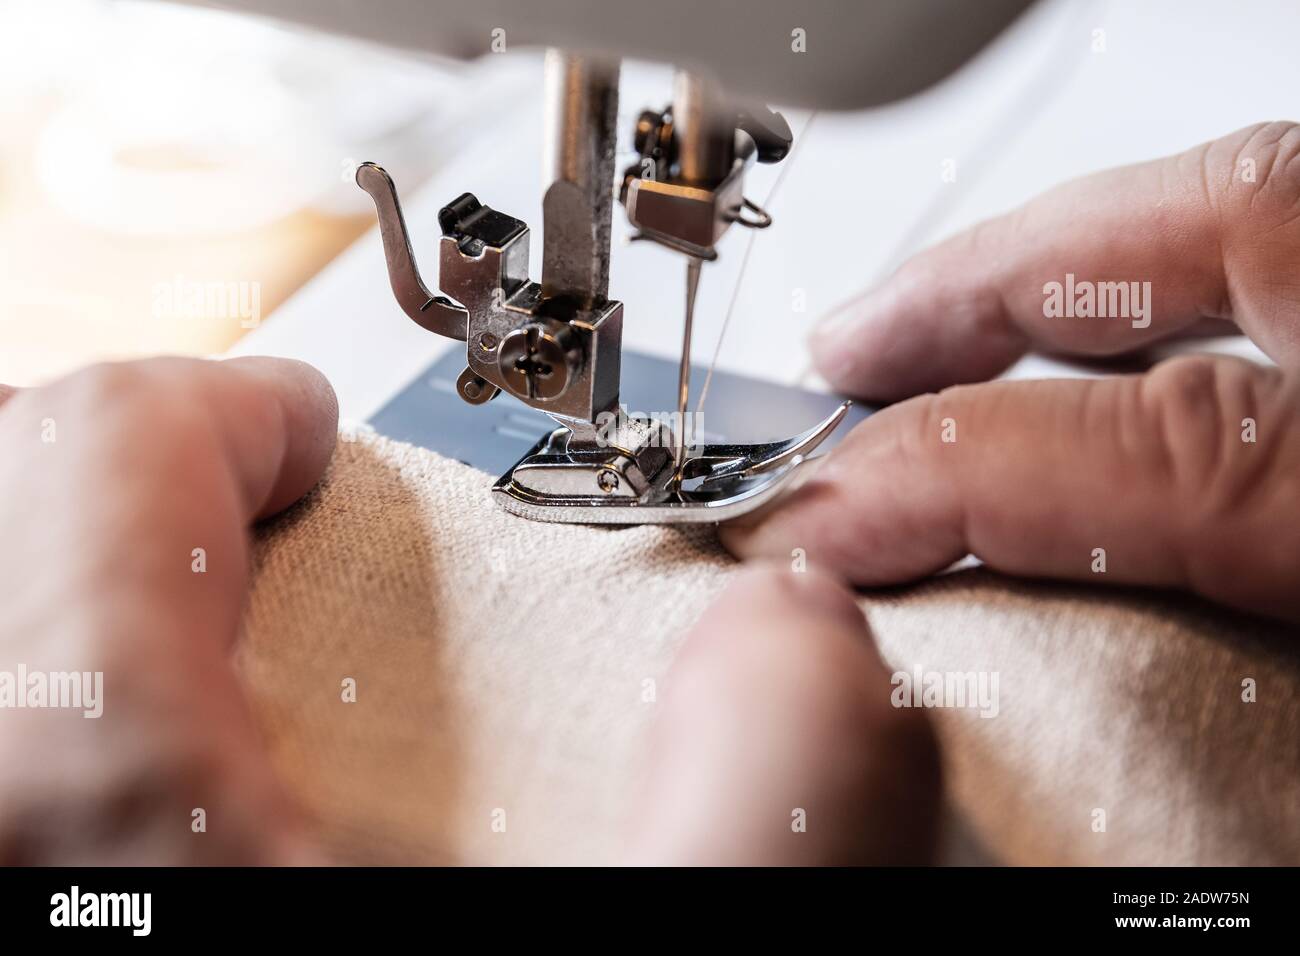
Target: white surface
(864,190)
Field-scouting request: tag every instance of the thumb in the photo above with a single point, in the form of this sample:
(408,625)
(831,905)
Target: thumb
(777,742)
(128,490)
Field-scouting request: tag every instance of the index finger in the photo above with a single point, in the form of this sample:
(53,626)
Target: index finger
(124,476)
(125,495)
(1183,477)
(1106,264)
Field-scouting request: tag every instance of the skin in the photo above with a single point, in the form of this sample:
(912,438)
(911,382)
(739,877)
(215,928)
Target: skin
(1152,468)
(150,460)
(778,701)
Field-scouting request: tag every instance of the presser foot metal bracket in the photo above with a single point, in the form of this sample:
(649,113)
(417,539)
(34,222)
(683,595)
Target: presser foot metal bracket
(623,473)
(560,353)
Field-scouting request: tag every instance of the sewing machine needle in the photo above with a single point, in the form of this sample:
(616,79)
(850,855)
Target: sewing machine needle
(684,376)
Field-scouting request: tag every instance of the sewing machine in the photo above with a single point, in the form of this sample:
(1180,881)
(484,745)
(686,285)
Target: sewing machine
(555,344)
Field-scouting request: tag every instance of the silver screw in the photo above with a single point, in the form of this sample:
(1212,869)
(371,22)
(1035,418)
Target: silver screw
(607,480)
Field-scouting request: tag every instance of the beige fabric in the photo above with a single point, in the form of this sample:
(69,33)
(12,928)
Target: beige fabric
(501,664)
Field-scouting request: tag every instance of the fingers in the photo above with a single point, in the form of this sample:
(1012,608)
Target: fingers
(1155,247)
(776,742)
(181,455)
(1184,477)
(127,491)
(132,486)
(278,420)
(6,392)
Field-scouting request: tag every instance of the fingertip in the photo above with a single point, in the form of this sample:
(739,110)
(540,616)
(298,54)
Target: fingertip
(751,541)
(792,529)
(306,386)
(768,588)
(840,344)
(779,704)
(314,406)
(737,537)
(313,412)
(310,411)
(881,346)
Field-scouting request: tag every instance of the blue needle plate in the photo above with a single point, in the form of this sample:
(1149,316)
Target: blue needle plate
(493,437)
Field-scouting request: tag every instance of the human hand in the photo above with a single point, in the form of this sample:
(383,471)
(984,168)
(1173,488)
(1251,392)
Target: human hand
(111,481)
(777,742)
(1187,476)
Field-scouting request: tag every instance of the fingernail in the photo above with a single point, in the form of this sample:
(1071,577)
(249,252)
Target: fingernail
(830,336)
(837,323)
(827,343)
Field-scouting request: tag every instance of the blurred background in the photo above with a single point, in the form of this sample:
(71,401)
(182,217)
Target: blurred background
(169,175)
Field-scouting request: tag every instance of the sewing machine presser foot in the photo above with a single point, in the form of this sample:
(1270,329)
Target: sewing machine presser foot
(622,472)
(560,353)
